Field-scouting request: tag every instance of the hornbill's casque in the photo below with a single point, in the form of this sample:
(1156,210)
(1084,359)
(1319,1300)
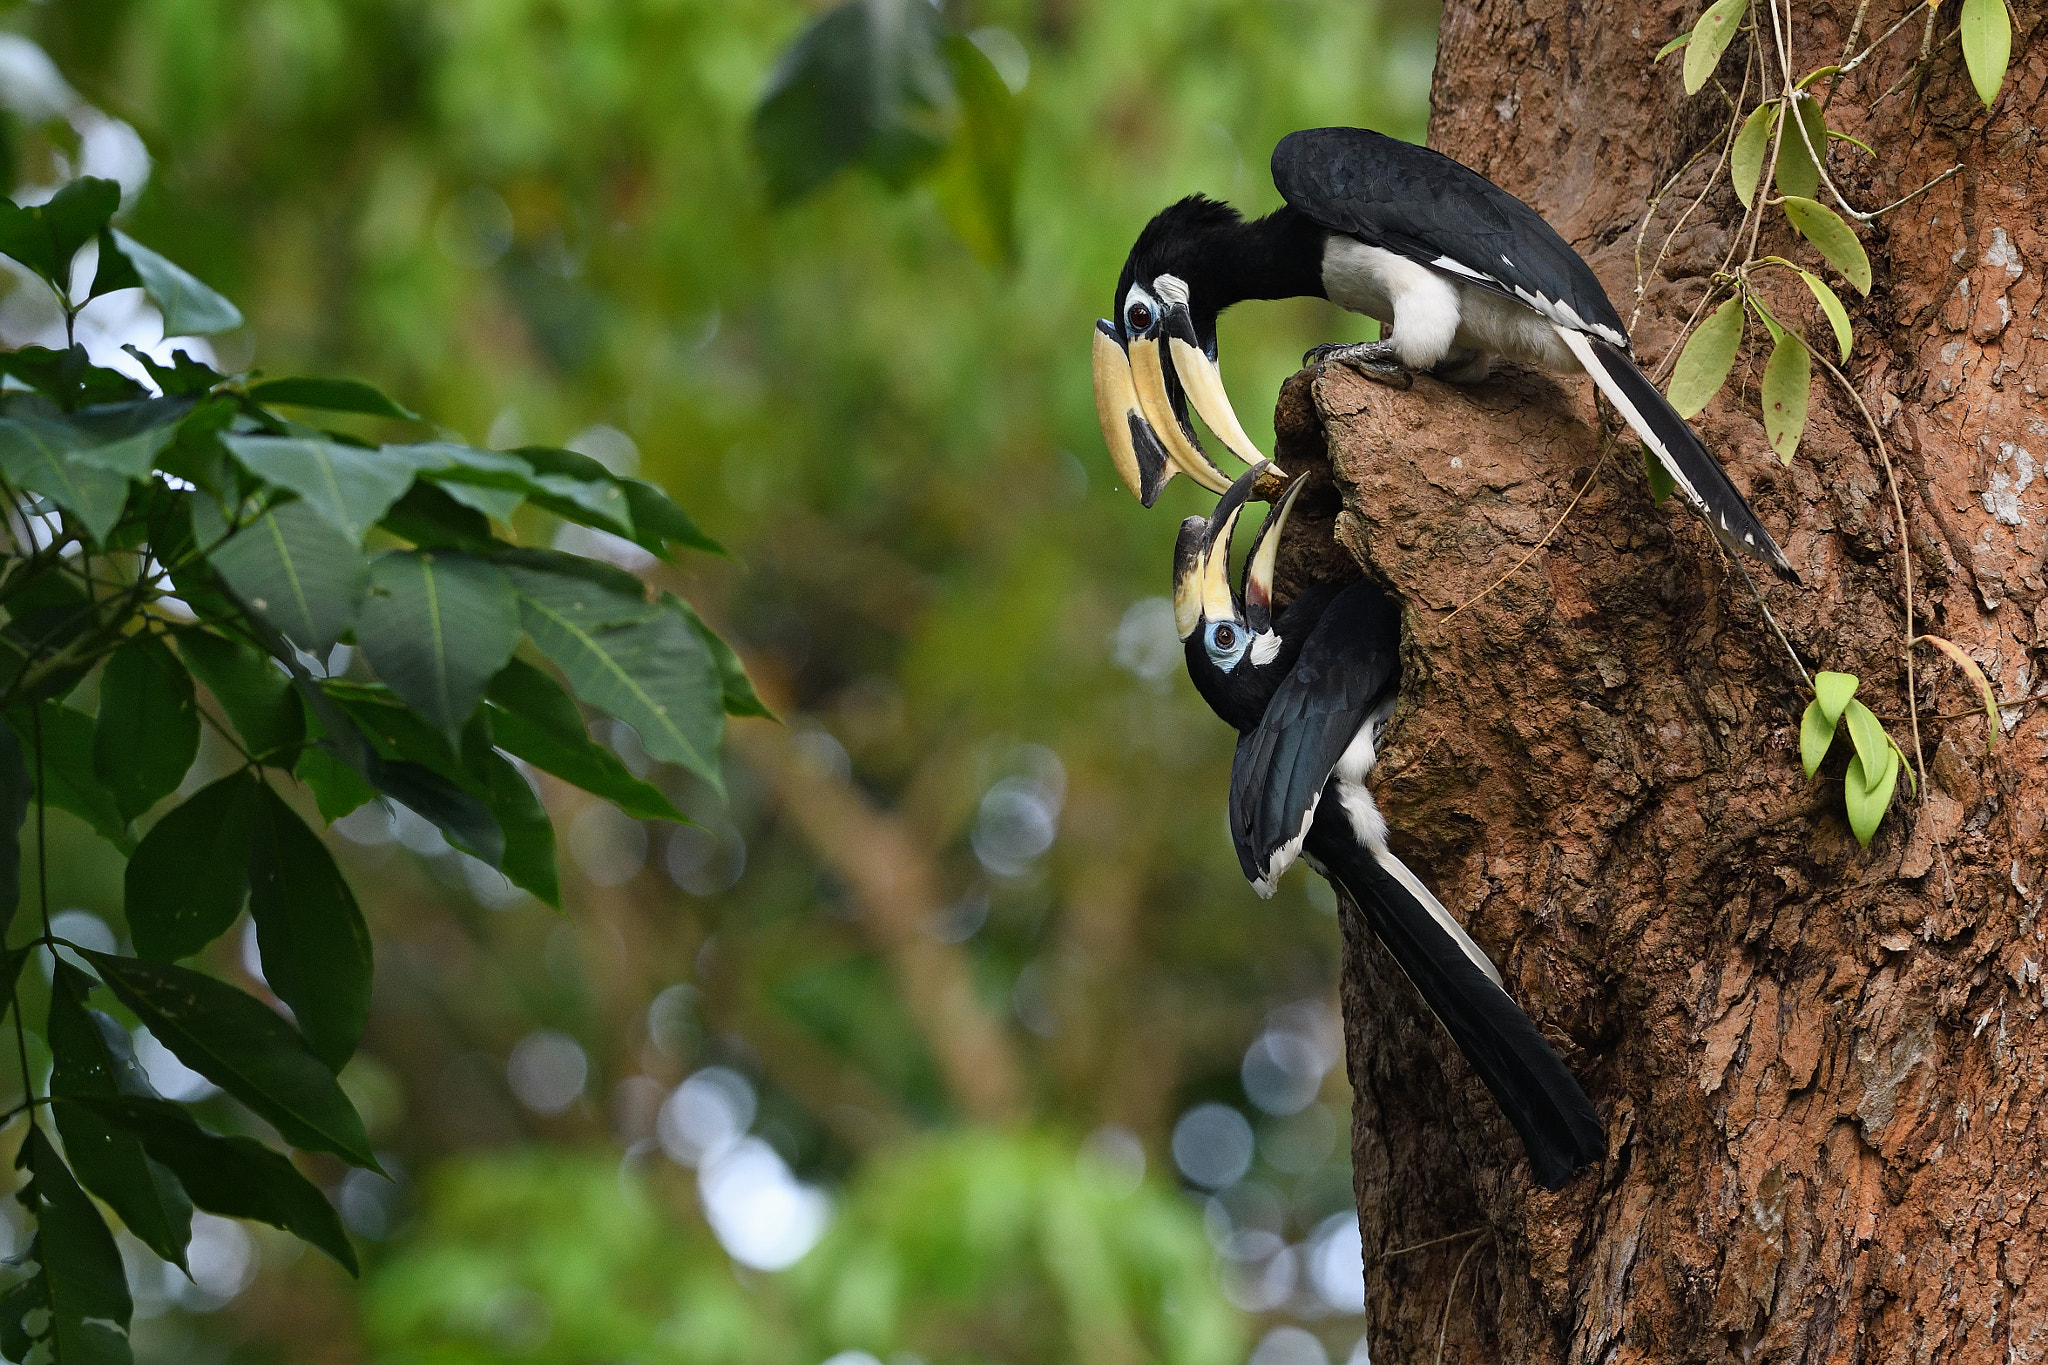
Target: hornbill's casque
(1310,693)
(1459,268)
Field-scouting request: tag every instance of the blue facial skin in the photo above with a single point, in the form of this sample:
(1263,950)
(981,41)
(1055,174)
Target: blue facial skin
(1226,642)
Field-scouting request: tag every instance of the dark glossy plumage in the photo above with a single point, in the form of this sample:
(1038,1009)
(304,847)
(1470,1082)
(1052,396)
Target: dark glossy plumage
(1422,205)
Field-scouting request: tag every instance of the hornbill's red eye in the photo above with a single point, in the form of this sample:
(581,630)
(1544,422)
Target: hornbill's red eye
(1139,316)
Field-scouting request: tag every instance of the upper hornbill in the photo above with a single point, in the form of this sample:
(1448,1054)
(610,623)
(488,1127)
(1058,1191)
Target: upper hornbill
(1461,270)
(1310,693)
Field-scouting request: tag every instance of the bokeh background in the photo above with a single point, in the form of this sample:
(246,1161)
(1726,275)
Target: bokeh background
(954,1034)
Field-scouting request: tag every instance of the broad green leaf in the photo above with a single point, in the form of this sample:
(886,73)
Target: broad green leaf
(577,488)
(656,674)
(183,375)
(462,816)
(17,795)
(532,718)
(148,729)
(315,945)
(331,395)
(1866,801)
(496,503)
(657,519)
(1868,735)
(69,782)
(68,377)
(114,270)
(126,438)
(1975,675)
(976,181)
(44,237)
(37,455)
(337,788)
(864,85)
(188,878)
(256,694)
(109,1161)
(301,577)
(1746,161)
(1710,38)
(243,1047)
(235,1177)
(74,1307)
(1831,692)
(1833,238)
(1816,734)
(437,516)
(189,307)
(1788,381)
(1798,172)
(1676,43)
(737,688)
(1987,46)
(436,626)
(1708,356)
(594,594)
(1838,316)
(350,486)
(414,764)
(529,858)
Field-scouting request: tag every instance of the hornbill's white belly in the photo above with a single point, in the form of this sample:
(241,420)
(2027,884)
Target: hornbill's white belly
(1433,314)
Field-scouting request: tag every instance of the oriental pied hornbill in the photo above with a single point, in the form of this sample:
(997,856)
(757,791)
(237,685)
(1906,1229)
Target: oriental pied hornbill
(1310,692)
(1459,268)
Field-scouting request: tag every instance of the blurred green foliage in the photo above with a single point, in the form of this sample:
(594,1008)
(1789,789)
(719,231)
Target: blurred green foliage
(544,221)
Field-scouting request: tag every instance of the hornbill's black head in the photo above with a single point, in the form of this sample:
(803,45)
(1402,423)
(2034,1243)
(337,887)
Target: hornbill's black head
(1236,655)
(1159,352)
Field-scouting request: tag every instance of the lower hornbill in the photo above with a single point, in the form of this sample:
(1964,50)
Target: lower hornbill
(1459,268)
(1310,692)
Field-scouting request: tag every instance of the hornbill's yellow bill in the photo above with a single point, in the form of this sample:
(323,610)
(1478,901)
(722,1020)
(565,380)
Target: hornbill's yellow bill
(1201,565)
(1258,573)
(1149,375)
(1202,380)
(1134,448)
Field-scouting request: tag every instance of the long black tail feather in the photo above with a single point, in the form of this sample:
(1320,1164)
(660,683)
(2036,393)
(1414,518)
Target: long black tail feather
(1559,1128)
(1699,476)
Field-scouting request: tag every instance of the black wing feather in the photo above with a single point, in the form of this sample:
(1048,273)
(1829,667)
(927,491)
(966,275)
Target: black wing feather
(1349,662)
(1422,205)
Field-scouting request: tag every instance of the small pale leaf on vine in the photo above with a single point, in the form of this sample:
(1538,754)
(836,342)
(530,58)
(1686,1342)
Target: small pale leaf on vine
(1867,733)
(1798,171)
(1708,356)
(1975,675)
(1816,733)
(1987,46)
(1838,316)
(1833,238)
(1746,162)
(1788,380)
(1710,38)
(1831,692)
(1676,43)
(1865,801)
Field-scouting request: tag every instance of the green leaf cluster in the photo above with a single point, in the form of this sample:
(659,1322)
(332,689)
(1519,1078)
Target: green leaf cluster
(890,86)
(1874,769)
(199,554)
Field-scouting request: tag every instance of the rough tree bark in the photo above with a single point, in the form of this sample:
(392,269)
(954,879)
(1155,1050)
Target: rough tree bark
(1822,1068)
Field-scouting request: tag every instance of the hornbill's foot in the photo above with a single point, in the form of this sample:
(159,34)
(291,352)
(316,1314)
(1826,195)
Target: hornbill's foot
(1375,360)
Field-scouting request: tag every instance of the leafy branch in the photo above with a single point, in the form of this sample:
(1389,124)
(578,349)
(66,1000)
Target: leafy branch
(1775,152)
(184,540)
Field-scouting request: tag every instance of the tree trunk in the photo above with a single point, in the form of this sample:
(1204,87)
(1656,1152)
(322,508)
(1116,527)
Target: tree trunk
(1819,1065)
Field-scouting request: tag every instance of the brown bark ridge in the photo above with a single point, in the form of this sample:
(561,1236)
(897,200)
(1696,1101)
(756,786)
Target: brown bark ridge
(1821,1068)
